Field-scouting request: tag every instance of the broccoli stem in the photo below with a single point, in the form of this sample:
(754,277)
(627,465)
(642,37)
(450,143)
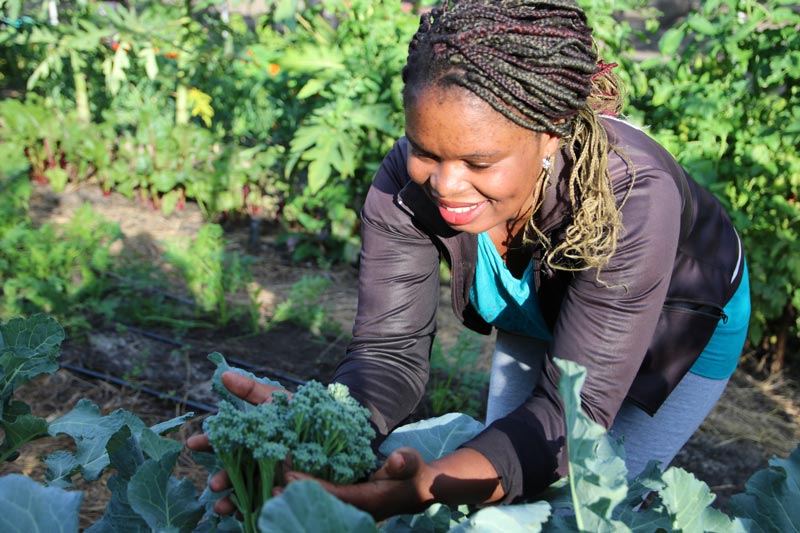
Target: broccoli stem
(239,467)
(266,469)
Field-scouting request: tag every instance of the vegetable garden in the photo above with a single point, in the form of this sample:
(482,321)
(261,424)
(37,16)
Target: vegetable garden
(256,136)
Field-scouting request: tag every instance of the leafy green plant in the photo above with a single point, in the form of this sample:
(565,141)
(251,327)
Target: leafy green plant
(303,306)
(143,460)
(210,271)
(145,495)
(457,384)
(724,99)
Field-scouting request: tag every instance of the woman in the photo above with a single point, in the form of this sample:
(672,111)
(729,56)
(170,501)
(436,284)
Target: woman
(571,232)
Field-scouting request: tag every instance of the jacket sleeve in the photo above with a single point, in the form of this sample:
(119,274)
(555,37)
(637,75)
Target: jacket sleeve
(387,362)
(605,326)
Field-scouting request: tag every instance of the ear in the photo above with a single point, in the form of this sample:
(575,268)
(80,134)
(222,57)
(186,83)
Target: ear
(549,143)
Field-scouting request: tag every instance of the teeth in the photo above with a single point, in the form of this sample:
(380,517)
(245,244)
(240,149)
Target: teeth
(460,209)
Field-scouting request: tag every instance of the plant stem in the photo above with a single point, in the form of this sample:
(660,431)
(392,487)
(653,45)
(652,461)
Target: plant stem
(81,92)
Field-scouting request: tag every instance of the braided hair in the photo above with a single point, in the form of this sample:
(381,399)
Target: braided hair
(534,62)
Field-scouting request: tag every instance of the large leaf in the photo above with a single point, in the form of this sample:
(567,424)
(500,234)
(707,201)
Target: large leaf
(688,500)
(772,497)
(126,456)
(597,472)
(165,503)
(28,506)
(527,517)
(434,437)
(20,430)
(437,518)
(305,507)
(92,431)
(28,347)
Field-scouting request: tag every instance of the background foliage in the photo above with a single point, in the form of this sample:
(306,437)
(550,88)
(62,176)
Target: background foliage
(286,116)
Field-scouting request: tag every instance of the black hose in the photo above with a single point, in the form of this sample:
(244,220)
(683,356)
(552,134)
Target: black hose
(119,381)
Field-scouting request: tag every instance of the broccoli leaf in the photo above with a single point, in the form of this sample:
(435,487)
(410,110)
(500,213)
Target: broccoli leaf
(438,518)
(92,431)
(433,437)
(688,499)
(126,457)
(28,506)
(28,347)
(598,476)
(771,496)
(19,427)
(165,503)
(216,380)
(527,517)
(306,506)
(61,466)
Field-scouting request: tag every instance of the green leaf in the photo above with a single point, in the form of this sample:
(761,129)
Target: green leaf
(28,506)
(91,432)
(28,348)
(126,457)
(22,430)
(314,86)
(57,177)
(670,41)
(702,25)
(688,500)
(527,517)
(165,503)
(150,63)
(771,497)
(597,472)
(61,466)
(434,437)
(306,506)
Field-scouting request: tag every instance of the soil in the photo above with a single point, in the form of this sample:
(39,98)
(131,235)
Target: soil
(157,376)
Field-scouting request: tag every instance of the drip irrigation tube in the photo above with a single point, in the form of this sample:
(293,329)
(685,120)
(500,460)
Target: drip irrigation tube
(125,383)
(171,397)
(237,362)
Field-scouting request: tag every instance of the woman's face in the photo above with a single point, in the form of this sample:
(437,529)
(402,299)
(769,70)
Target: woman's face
(478,167)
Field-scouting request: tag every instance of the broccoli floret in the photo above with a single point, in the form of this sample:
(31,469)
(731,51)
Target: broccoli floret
(251,447)
(334,421)
(323,429)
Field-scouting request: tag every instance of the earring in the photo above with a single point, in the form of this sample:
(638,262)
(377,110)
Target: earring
(546,162)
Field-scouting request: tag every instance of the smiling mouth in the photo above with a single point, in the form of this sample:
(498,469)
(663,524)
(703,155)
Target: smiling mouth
(459,209)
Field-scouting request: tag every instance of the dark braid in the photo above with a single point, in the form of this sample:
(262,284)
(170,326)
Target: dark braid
(531,61)
(534,62)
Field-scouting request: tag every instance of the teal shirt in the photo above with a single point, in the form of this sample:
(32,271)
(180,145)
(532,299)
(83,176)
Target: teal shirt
(512,305)
(502,300)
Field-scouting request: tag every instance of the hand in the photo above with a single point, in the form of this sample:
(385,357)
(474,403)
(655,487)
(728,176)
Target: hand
(251,391)
(405,484)
(396,488)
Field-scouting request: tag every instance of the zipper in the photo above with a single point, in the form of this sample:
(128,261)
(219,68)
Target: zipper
(700,307)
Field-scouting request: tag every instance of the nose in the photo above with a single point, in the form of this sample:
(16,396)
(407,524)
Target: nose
(446,179)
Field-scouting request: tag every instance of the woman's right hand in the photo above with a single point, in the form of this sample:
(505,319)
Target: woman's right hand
(250,391)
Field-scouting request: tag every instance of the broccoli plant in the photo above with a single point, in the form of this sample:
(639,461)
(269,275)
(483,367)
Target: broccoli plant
(322,429)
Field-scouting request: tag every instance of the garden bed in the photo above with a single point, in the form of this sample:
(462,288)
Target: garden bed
(755,419)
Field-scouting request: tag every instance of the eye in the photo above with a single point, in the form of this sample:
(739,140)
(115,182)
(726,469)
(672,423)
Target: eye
(475,165)
(420,154)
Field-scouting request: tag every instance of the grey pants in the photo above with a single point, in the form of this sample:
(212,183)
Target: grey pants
(515,371)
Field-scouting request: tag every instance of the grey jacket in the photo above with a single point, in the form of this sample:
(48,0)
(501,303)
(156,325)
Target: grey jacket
(677,263)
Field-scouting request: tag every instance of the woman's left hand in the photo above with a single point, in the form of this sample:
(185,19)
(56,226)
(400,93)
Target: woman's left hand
(405,484)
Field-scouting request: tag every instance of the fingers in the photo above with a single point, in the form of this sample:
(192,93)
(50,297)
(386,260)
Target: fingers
(198,443)
(403,463)
(248,389)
